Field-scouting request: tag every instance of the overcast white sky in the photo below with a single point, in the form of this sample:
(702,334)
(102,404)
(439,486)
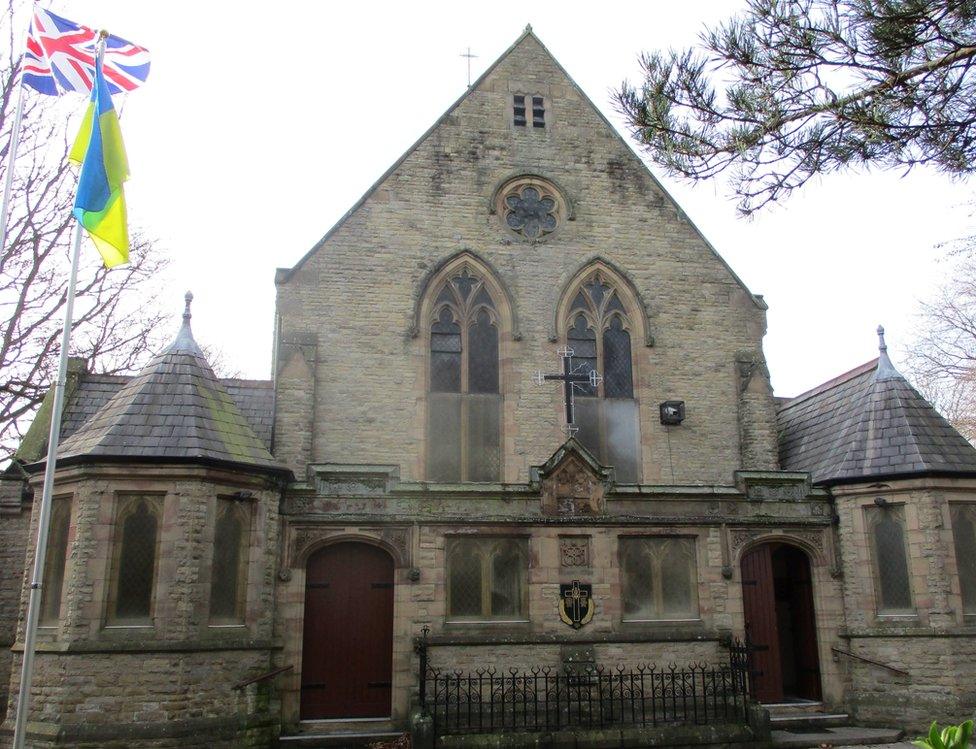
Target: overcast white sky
(262,123)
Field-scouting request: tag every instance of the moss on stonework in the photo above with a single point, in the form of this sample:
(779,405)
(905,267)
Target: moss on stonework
(34,444)
(238,438)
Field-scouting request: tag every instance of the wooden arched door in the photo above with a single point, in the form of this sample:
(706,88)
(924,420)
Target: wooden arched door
(780,621)
(347,651)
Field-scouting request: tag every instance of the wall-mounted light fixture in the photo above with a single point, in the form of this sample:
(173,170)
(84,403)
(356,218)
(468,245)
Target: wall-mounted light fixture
(672,412)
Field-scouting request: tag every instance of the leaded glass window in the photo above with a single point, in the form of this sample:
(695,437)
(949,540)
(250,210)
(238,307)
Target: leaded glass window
(598,331)
(964,540)
(659,578)
(487,578)
(54,563)
(228,570)
(464,405)
(135,555)
(893,588)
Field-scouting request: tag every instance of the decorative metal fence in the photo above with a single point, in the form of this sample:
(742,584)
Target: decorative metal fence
(545,699)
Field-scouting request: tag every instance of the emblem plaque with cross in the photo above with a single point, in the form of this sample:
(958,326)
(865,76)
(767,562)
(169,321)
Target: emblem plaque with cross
(576,603)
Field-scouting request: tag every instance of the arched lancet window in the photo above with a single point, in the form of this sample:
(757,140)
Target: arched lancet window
(56,557)
(464,405)
(135,552)
(892,578)
(964,536)
(228,572)
(598,329)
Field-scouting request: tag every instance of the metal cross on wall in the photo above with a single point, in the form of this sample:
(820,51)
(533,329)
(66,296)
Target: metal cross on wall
(571,377)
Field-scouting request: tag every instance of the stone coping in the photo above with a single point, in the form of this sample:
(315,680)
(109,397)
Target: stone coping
(921,630)
(733,521)
(83,647)
(692,633)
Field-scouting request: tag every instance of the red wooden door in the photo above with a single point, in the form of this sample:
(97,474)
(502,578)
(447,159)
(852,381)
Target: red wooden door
(759,604)
(347,655)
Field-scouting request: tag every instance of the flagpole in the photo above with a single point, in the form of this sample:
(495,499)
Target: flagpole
(44,516)
(12,156)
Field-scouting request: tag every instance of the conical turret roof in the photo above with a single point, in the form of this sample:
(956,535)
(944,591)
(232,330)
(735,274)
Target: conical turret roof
(882,428)
(175,410)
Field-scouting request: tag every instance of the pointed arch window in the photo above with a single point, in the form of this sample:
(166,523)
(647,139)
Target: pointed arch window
(136,553)
(963,516)
(56,558)
(599,332)
(892,576)
(228,581)
(464,403)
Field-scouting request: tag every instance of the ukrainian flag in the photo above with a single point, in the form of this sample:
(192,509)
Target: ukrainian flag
(100,203)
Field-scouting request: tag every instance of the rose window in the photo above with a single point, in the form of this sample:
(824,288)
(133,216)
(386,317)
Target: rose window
(529,212)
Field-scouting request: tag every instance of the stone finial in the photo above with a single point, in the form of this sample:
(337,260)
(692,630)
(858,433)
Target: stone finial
(886,370)
(184,338)
(528,28)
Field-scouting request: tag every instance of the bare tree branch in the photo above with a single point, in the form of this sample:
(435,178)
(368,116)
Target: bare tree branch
(117,317)
(943,360)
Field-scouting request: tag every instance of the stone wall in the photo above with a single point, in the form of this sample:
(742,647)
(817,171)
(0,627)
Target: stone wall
(358,292)
(15,511)
(924,661)
(97,681)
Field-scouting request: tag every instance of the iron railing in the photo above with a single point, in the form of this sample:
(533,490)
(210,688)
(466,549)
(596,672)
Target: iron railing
(544,699)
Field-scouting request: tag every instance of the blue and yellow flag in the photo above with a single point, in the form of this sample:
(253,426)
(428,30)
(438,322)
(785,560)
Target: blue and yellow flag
(100,203)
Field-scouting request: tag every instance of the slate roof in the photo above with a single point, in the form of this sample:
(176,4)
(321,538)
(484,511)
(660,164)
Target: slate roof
(869,423)
(254,398)
(175,408)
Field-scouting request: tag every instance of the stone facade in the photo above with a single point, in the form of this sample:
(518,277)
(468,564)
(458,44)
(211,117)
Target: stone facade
(101,684)
(371,272)
(929,651)
(352,394)
(15,509)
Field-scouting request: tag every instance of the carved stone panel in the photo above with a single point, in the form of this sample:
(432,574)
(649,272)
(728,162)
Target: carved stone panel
(574,551)
(573,489)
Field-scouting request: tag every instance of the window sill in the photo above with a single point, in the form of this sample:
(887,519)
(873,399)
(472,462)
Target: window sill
(124,627)
(485,622)
(239,625)
(662,622)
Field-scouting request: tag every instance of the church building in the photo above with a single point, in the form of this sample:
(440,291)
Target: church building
(406,529)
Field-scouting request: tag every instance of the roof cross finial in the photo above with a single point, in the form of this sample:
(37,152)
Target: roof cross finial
(470,56)
(186,311)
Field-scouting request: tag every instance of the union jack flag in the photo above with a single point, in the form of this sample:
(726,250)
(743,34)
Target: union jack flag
(60,57)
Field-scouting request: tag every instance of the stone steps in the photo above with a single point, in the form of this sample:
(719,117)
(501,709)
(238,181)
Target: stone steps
(817,735)
(352,739)
(783,721)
